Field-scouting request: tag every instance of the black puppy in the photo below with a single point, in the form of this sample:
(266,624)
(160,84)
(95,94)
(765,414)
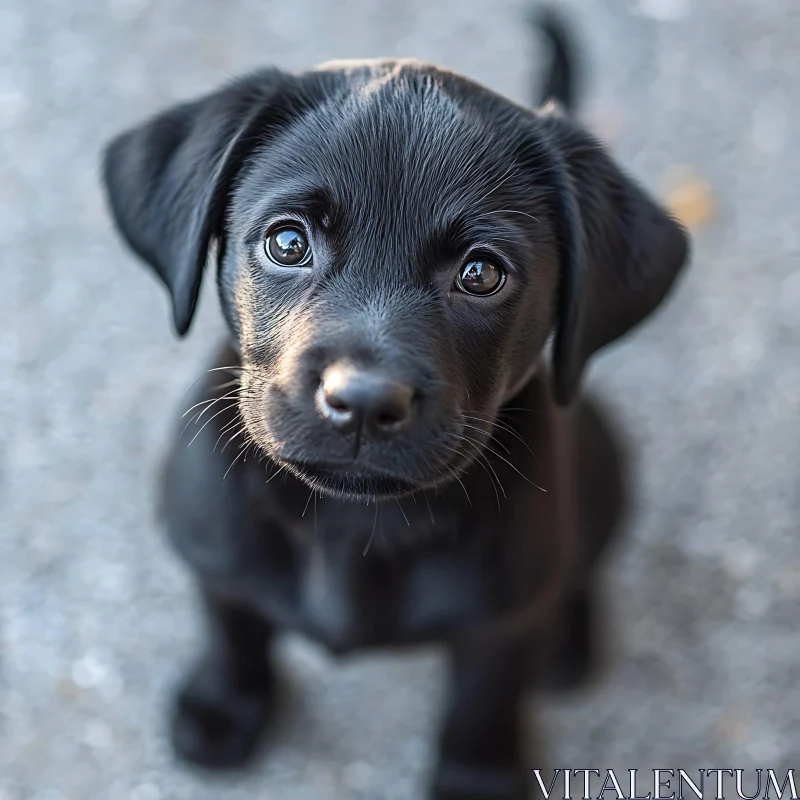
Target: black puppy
(394,246)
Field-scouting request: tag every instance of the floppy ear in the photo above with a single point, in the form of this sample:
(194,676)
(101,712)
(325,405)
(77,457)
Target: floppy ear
(620,251)
(168,180)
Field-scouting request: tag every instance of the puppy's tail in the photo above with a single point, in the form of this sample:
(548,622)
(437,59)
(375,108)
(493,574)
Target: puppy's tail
(562,73)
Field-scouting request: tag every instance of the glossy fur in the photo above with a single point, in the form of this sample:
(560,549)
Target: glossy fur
(477,524)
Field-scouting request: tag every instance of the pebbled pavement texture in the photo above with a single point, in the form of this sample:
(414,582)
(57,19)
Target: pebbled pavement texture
(97,619)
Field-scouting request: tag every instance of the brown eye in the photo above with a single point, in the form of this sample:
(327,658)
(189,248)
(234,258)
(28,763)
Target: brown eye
(480,277)
(288,247)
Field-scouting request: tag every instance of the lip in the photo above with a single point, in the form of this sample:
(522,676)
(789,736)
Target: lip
(346,480)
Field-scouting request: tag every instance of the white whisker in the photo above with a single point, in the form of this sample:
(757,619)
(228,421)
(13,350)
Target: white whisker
(233,462)
(521,474)
(374,528)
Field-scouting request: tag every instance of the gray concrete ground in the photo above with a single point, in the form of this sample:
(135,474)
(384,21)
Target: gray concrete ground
(97,618)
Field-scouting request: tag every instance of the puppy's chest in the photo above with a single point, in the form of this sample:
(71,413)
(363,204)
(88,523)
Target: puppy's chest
(347,599)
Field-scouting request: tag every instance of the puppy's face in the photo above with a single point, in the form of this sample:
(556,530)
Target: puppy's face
(396,244)
(390,275)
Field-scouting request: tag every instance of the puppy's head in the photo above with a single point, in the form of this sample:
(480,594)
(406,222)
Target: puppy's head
(394,246)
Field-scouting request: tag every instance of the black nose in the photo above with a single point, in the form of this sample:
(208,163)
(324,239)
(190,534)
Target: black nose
(353,399)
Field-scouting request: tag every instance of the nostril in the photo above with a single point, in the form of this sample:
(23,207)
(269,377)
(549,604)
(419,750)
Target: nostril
(390,418)
(336,403)
(342,415)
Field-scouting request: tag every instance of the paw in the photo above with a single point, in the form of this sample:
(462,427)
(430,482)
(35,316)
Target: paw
(218,722)
(465,782)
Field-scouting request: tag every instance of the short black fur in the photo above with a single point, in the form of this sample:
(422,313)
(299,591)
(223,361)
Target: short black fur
(395,463)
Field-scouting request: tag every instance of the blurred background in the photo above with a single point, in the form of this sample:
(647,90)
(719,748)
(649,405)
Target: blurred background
(699,99)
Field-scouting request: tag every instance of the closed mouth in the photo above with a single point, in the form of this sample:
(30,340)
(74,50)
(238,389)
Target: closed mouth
(350,481)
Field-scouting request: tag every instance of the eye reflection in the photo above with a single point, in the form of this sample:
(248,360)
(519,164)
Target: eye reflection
(480,277)
(288,247)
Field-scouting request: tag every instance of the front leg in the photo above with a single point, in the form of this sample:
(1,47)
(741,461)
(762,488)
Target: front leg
(228,698)
(481,750)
